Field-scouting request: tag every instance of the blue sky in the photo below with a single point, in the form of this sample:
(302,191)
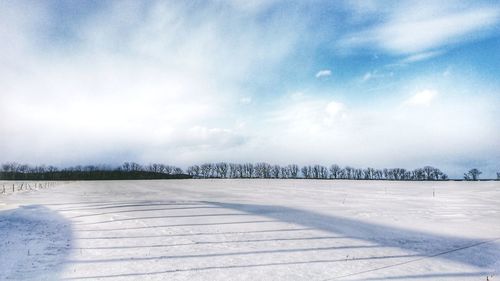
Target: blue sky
(363,83)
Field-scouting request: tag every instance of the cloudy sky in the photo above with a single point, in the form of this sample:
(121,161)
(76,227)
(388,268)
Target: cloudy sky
(362,83)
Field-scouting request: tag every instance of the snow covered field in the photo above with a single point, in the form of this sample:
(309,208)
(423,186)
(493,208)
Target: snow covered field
(252,230)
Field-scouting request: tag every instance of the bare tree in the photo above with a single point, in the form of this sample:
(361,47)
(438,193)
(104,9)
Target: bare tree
(52,169)
(276,171)
(335,171)
(306,172)
(358,174)
(154,168)
(127,166)
(348,172)
(431,173)
(194,171)
(285,172)
(24,168)
(10,167)
(369,173)
(206,170)
(262,170)
(322,172)
(398,173)
(221,169)
(316,170)
(234,170)
(294,170)
(472,174)
(239,170)
(248,170)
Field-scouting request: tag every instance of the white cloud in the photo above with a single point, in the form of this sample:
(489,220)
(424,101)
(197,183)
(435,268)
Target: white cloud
(447,72)
(363,7)
(367,76)
(213,138)
(420,57)
(296,96)
(252,7)
(412,28)
(334,108)
(323,73)
(246,100)
(382,134)
(307,114)
(335,112)
(155,85)
(375,75)
(422,98)
(132,83)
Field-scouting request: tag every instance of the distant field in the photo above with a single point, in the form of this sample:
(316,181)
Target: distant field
(252,230)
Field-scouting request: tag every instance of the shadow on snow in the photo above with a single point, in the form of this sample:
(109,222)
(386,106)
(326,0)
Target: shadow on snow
(34,241)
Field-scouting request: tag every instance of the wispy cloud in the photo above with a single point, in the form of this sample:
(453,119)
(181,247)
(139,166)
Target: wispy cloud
(425,27)
(218,80)
(385,133)
(420,57)
(367,76)
(135,79)
(323,73)
(246,100)
(375,74)
(422,98)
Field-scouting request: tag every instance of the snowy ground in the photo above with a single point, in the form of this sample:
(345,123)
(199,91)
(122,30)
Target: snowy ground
(252,230)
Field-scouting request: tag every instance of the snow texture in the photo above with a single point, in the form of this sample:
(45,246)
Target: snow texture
(252,230)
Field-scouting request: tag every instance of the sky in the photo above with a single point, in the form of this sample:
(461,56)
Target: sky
(360,83)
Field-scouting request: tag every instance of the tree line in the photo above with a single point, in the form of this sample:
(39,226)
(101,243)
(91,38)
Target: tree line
(132,170)
(127,171)
(292,171)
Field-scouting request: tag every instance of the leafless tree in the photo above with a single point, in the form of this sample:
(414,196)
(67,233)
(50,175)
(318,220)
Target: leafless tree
(305,172)
(318,172)
(194,171)
(429,172)
(262,170)
(239,170)
(221,169)
(398,174)
(233,170)
(293,170)
(349,172)
(335,171)
(369,173)
(358,174)
(472,174)
(157,168)
(276,171)
(284,174)
(248,170)
(206,170)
